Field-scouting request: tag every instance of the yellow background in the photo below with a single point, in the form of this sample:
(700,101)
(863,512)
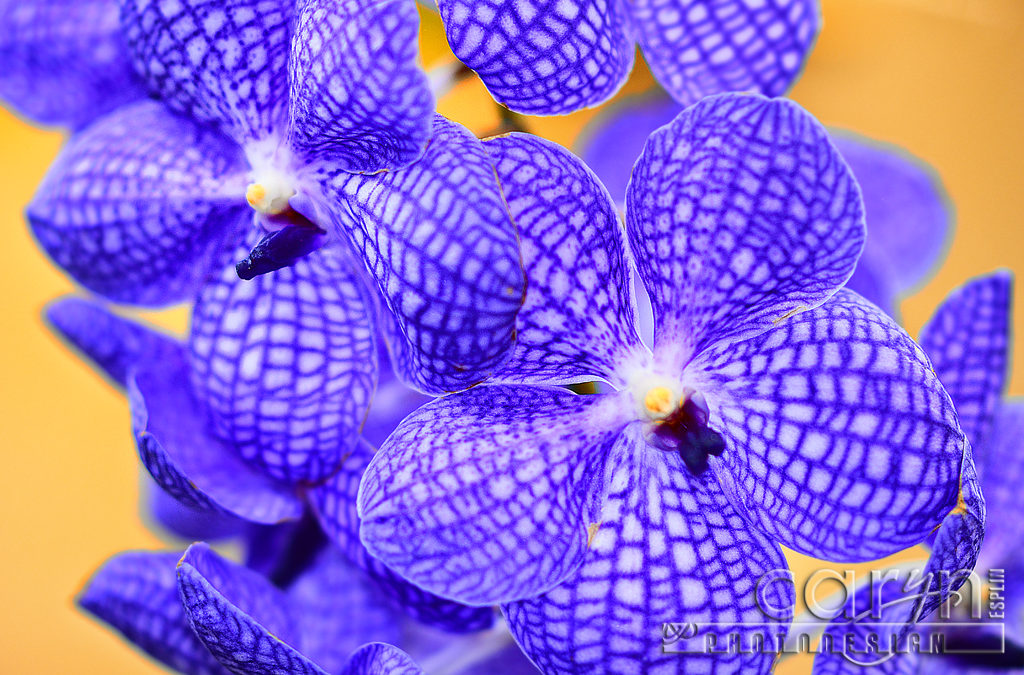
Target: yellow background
(942,78)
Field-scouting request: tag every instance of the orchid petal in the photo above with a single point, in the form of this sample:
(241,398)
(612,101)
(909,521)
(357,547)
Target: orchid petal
(441,246)
(578,322)
(286,364)
(739,213)
(188,462)
(359,99)
(138,206)
(246,623)
(841,442)
(334,504)
(222,63)
(137,594)
(113,344)
(185,522)
(698,49)
(65,62)
(542,57)
(669,548)
(486,496)
(967,341)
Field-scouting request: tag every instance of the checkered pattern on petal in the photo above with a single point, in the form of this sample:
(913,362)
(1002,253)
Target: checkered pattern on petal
(543,57)
(137,206)
(437,239)
(967,341)
(136,593)
(220,61)
(697,48)
(739,213)
(192,465)
(358,98)
(841,442)
(486,496)
(286,364)
(381,659)
(65,61)
(669,549)
(246,623)
(579,319)
(334,504)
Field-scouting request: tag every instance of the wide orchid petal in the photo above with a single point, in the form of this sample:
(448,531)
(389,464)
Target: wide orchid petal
(246,623)
(286,364)
(138,206)
(578,322)
(702,48)
(967,341)
(218,63)
(137,594)
(740,213)
(442,248)
(186,460)
(909,219)
(1001,468)
(339,610)
(669,548)
(381,659)
(113,344)
(542,57)
(65,62)
(358,98)
(612,142)
(841,442)
(486,496)
(335,506)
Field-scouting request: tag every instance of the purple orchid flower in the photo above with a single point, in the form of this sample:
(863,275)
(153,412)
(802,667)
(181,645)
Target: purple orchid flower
(205,614)
(909,215)
(774,408)
(313,120)
(65,61)
(968,340)
(259,416)
(551,57)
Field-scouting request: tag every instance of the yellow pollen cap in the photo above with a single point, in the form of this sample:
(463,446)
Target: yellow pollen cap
(260,198)
(256,195)
(658,401)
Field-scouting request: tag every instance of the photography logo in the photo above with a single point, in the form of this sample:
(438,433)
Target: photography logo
(868,620)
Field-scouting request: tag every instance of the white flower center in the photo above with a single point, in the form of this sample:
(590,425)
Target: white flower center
(270,194)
